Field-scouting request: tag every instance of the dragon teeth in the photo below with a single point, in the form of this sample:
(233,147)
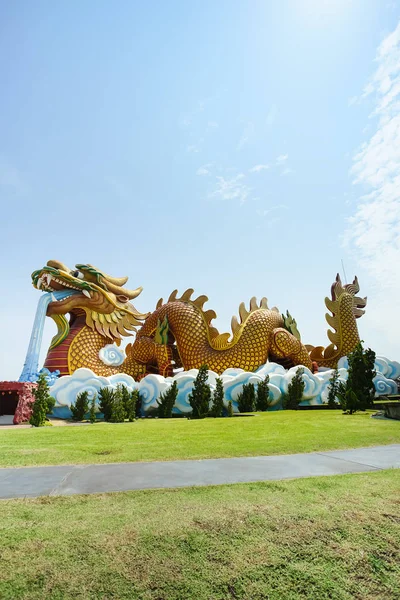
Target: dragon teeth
(86,293)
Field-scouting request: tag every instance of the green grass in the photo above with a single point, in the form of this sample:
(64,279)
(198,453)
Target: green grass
(282,432)
(318,539)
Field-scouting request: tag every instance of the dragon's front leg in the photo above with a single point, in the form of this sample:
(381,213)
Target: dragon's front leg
(285,345)
(145,350)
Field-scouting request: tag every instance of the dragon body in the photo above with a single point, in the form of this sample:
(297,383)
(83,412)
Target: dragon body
(179,332)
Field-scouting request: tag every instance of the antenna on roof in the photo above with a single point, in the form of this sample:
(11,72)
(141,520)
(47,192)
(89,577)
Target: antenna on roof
(344,272)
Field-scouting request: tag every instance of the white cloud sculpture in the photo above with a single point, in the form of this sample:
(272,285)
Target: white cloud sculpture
(111,355)
(66,388)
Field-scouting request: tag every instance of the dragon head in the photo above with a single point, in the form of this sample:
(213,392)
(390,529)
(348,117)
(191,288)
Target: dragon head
(89,291)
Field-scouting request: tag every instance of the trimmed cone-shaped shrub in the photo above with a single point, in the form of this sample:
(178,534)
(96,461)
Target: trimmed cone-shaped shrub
(359,391)
(130,405)
(333,390)
(106,398)
(295,391)
(43,404)
(118,412)
(81,406)
(200,396)
(217,399)
(262,400)
(247,398)
(167,401)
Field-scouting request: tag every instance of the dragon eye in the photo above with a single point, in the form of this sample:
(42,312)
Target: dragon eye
(78,274)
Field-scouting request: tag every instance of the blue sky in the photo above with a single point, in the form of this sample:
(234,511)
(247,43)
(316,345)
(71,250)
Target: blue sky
(239,148)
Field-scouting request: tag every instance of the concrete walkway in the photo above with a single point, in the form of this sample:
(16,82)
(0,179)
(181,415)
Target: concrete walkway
(66,480)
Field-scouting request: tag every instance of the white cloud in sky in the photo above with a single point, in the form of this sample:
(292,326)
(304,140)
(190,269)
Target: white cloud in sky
(185,121)
(267,211)
(231,189)
(258,168)
(281,158)
(287,171)
(374,229)
(248,132)
(204,170)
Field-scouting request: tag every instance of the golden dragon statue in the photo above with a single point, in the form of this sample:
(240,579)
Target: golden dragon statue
(179,332)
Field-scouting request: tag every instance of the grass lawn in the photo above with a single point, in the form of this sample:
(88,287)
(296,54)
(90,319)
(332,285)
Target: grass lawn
(281,432)
(321,538)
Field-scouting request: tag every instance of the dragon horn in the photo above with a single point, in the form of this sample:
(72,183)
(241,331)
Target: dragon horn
(117,290)
(120,281)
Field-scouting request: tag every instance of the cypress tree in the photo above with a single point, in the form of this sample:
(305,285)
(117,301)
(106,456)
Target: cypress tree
(359,391)
(130,406)
(167,401)
(295,390)
(106,397)
(43,404)
(262,401)
(247,398)
(118,412)
(218,399)
(200,396)
(125,394)
(81,406)
(333,389)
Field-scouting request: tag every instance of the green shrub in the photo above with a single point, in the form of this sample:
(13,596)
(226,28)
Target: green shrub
(44,403)
(218,399)
(200,396)
(333,390)
(295,391)
(262,400)
(81,406)
(118,412)
(106,397)
(247,398)
(167,401)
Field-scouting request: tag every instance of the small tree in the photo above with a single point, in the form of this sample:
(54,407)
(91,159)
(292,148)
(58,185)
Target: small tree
(106,398)
(359,391)
(229,410)
(43,404)
(118,412)
(81,406)
(200,396)
(130,406)
(247,398)
(218,399)
(92,412)
(295,390)
(263,401)
(333,389)
(167,401)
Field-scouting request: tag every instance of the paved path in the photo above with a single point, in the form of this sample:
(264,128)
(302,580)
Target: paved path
(66,480)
